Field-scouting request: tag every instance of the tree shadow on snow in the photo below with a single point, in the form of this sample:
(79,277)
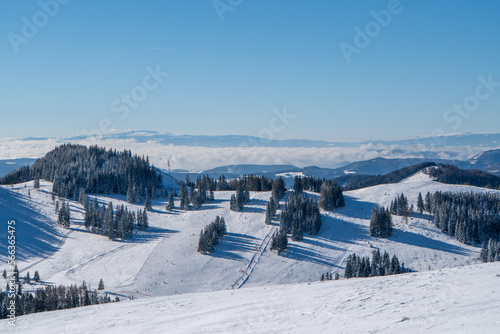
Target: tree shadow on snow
(252,209)
(232,243)
(36,235)
(300,253)
(415,239)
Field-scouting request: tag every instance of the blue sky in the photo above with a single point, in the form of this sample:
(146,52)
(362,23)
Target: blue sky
(231,76)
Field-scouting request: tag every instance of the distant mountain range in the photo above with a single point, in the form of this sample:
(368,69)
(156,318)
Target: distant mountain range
(466,139)
(488,161)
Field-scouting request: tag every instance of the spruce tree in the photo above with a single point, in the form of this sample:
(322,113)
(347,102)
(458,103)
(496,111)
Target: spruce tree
(148,206)
(420,203)
(36,277)
(170,204)
(184,198)
(101,285)
(233,204)
(279,241)
(278,190)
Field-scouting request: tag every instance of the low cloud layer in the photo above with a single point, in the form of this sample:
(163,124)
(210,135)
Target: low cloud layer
(197,158)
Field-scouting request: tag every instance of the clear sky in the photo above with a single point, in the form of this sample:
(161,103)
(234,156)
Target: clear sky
(231,66)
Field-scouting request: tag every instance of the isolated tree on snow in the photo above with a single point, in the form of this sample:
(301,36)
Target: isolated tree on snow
(27,279)
(101,285)
(36,277)
(36,183)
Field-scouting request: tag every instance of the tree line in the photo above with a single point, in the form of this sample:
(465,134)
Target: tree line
(380,265)
(73,167)
(113,222)
(453,175)
(362,181)
(490,251)
(52,298)
(469,217)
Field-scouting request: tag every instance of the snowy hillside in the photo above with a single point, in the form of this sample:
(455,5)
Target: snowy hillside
(458,300)
(163,259)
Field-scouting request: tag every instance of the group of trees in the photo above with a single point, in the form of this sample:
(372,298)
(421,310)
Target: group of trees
(381,223)
(380,265)
(300,215)
(142,219)
(96,170)
(490,251)
(470,217)
(399,206)
(279,242)
(277,192)
(240,198)
(52,298)
(453,175)
(307,183)
(329,277)
(331,196)
(253,183)
(193,195)
(271,208)
(211,234)
(112,222)
(362,181)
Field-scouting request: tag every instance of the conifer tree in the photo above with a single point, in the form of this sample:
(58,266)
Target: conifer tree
(101,285)
(148,206)
(279,241)
(36,276)
(420,203)
(170,204)
(233,204)
(278,190)
(184,198)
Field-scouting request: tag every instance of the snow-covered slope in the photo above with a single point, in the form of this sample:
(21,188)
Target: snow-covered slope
(458,300)
(163,260)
